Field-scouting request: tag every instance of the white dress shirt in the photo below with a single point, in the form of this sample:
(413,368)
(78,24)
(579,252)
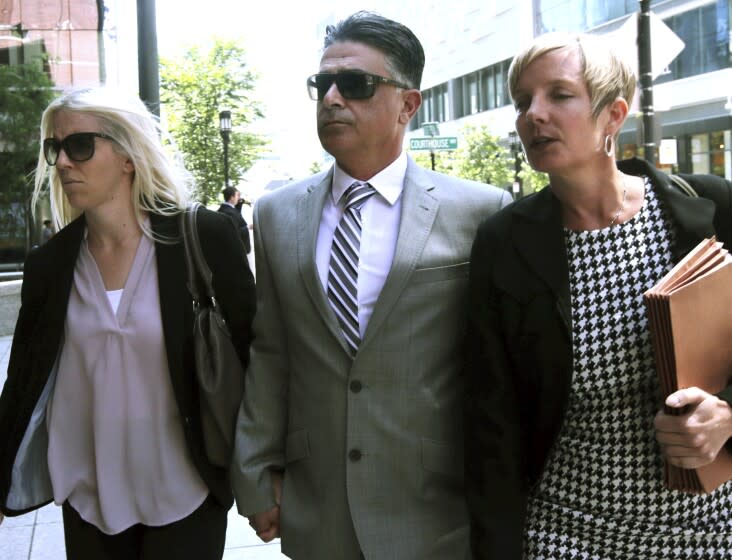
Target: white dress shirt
(380,216)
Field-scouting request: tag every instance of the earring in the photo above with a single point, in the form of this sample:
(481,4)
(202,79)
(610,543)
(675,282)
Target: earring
(609,147)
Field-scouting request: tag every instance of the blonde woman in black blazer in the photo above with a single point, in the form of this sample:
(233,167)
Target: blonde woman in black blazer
(565,433)
(113,189)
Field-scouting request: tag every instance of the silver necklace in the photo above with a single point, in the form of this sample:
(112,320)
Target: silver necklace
(622,205)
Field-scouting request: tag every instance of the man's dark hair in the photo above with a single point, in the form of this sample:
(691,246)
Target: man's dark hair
(403,51)
(47,222)
(228,192)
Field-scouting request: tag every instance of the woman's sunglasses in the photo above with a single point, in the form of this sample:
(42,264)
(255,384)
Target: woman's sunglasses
(351,85)
(78,146)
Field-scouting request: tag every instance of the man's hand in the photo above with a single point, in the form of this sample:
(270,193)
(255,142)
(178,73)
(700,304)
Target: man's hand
(267,523)
(694,438)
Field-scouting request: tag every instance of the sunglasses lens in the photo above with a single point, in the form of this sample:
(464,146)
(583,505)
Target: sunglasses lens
(321,83)
(350,85)
(354,86)
(79,147)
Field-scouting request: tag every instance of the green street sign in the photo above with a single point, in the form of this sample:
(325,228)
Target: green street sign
(431,129)
(434,143)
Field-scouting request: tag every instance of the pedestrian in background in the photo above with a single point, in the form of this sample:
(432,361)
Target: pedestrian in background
(47,231)
(354,392)
(232,207)
(566,435)
(100,410)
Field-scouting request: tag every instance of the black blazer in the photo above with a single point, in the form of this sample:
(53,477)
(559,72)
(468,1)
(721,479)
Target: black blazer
(47,280)
(520,345)
(240,223)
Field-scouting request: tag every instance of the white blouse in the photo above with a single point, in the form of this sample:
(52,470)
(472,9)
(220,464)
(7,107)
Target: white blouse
(116,448)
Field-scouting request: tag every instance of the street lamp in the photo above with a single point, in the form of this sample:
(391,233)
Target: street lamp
(225,130)
(515,149)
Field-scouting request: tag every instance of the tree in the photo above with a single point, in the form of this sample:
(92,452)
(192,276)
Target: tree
(531,181)
(445,161)
(482,157)
(194,89)
(25,90)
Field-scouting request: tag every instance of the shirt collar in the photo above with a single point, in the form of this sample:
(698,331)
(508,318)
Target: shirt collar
(388,182)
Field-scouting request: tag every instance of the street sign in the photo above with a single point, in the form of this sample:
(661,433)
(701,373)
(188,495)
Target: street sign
(431,129)
(434,143)
(665,44)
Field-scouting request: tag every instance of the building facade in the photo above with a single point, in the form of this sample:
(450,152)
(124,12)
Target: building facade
(470,45)
(75,43)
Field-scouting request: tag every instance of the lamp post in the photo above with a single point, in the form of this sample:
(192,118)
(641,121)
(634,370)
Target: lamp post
(225,130)
(514,144)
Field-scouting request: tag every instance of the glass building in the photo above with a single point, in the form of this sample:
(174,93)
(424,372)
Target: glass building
(692,96)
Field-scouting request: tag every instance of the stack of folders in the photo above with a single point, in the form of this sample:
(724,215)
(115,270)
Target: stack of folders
(690,317)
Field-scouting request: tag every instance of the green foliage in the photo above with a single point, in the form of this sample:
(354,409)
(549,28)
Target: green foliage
(445,162)
(25,90)
(194,89)
(482,157)
(531,181)
(316,167)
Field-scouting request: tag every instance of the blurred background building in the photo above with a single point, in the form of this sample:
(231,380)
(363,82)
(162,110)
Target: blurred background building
(469,46)
(73,42)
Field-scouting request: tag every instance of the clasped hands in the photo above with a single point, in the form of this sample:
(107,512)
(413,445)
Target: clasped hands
(694,438)
(689,441)
(267,523)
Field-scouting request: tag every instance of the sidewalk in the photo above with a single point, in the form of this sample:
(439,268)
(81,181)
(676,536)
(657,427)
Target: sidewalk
(39,535)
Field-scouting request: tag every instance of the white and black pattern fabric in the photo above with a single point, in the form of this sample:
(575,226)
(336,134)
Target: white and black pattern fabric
(343,269)
(601,495)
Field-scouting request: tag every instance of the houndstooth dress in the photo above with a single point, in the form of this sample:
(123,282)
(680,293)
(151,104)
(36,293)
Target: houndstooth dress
(601,495)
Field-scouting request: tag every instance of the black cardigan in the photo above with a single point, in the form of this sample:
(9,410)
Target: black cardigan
(519,349)
(47,280)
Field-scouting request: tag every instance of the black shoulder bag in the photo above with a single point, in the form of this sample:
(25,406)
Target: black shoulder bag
(219,371)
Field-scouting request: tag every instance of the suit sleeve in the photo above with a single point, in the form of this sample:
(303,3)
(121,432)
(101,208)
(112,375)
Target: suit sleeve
(495,487)
(261,426)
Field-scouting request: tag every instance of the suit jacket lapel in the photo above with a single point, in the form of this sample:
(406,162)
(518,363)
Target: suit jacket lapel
(419,208)
(309,213)
(175,302)
(538,238)
(59,290)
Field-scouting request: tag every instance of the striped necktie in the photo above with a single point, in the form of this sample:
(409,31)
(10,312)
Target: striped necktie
(343,269)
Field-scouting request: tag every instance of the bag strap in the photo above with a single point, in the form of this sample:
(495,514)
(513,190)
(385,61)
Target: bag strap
(198,270)
(683,185)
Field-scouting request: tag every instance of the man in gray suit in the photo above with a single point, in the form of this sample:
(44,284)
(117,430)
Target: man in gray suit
(349,441)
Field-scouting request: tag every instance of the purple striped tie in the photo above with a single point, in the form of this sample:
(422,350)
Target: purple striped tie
(343,269)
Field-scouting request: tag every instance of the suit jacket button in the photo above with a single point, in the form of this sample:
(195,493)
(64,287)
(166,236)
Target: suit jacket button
(356,386)
(354,455)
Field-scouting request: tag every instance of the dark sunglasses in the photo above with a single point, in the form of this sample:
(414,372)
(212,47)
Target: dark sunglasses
(351,85)
(78,146)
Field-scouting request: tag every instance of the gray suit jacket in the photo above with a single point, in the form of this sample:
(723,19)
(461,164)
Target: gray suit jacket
(371,448)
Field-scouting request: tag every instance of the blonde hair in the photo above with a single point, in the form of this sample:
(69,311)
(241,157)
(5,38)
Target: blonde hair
(606,75)
(160,183)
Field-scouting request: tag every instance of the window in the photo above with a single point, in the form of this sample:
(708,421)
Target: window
(482,90)
(705,32)
(580,15)
(700,153)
